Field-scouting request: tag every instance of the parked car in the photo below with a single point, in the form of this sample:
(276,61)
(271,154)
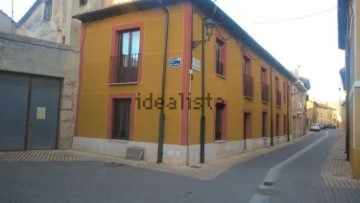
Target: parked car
(315,128)
(322,126)
(332,126)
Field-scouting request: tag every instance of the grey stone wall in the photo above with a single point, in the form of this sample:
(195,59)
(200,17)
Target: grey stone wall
(33,56)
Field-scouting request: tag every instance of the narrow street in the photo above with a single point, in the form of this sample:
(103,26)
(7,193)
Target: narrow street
(319,174)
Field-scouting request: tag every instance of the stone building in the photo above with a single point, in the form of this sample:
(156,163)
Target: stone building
(38,91)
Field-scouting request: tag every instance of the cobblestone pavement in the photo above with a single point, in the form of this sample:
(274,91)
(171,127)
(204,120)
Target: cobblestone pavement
(336,173)
(207,171)
(319,175)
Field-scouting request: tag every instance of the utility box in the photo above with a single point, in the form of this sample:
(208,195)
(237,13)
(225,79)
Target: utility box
(135,153)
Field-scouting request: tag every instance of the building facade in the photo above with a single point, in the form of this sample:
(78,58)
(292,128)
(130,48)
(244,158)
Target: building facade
(348,19)
(52,20)
(38,91)
(299,99)
(165,78)
(320,113)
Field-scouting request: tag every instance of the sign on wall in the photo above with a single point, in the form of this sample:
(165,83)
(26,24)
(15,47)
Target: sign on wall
(196,64)
(174,62)
(40,113)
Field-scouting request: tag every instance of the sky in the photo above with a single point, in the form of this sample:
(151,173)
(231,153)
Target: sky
(296,32)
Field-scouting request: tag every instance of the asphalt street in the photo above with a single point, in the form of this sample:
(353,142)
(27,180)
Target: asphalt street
(299,180)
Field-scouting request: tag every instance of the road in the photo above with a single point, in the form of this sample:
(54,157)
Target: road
(292,173)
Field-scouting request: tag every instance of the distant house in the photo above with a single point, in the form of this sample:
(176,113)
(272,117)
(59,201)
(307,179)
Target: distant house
(320,113)
(52,19)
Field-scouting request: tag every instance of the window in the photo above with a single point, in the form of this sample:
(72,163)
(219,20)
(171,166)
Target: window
(220,57)
(264,86)
(47,10)
(121,119)
(219,121)
(277,125)
(125,64)
(284,92)
(263,131)
(83,2)
(247,125)
(278,93)
(248,79)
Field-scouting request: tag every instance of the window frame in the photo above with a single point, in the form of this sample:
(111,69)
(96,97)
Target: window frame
(248,126)
(110,119)
(264,80)
(48,9)
(224,122)
(115,48)
(83,2)
(221,39)
(247,70)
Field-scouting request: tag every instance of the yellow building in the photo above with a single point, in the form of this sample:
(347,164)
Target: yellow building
(348,20)
(320,113)
(139,55)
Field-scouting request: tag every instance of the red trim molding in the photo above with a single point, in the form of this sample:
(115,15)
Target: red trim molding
(186,67)
(115,42)
(110,112)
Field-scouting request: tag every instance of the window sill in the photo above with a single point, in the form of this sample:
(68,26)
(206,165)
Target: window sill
(221,76)
(124,83)
(248,98)
(278,106)
(220,141)
(265,102)
(119,141)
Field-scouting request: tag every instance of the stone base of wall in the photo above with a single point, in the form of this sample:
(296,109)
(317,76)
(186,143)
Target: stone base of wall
(64,143)
(174,154)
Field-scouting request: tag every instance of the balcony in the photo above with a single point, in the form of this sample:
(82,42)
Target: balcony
(124,69)
(219,68)
(265,92)
(248,86)
(278,98)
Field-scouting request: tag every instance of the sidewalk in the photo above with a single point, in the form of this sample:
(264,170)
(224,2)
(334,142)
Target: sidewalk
(336,173)
(207,171)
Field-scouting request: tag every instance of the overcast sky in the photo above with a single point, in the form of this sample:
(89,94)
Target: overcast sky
(296,32)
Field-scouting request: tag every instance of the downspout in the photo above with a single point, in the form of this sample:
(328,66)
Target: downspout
(271,110)
(162,114)
(190,88)
(347,80)
(202,119)
(347,101)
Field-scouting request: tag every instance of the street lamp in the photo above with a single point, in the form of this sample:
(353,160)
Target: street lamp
(209,25)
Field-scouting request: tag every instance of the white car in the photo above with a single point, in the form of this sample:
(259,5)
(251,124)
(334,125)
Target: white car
(315,128)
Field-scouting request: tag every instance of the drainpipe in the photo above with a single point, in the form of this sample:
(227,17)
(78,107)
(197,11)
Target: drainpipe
(347,102)
(271,110)
(202,119)
(162,114)
(190,88)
